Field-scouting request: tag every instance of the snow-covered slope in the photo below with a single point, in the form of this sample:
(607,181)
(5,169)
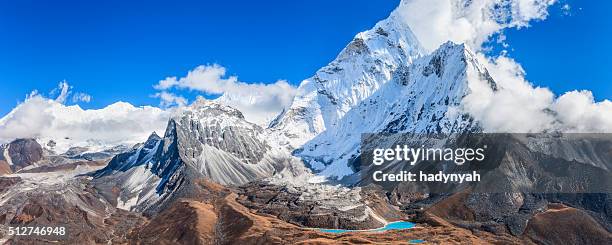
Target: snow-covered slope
(383,81)
(217,142)
(360,69)
(205,140)
(422,97)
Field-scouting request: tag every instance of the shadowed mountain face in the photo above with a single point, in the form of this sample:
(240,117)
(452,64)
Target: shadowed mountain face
(19,154)
(204,140)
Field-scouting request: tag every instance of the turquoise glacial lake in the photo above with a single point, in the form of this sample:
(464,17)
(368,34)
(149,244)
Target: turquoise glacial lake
(400,225)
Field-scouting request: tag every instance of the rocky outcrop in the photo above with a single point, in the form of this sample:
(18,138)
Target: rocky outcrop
(5,168)
(19,154)
(320,205)
(7,182)
(290,204)
(27,155)
(205,140)
(42,201)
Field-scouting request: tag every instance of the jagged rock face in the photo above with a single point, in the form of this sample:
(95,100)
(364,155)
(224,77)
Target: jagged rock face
(381,82)
(20,153)
(214,141)
(223,128)
(422,97)
(205,140)
(141,153)
(27,155)
(5,168)
(75,151)
(359,70)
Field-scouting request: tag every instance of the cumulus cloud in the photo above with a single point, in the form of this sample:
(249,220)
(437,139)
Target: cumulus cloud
(519,106)
(467,21)
(579,112)
(259,102)
(169,99)
(48,119)
(81,97)
(204,78)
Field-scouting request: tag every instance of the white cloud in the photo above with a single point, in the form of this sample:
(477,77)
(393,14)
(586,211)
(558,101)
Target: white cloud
(47,119)
(64,89)
(259,102)
(170,99)
(518,106)
(467,21)
(207,79)
(579,112)
(81,97)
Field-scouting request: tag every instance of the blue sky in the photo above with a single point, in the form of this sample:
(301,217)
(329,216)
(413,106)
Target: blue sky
(115,50)
(568,52)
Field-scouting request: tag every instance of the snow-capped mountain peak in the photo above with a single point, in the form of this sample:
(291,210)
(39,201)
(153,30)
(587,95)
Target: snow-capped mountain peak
(204,140)
(362,67)
(205,108)
(422,97)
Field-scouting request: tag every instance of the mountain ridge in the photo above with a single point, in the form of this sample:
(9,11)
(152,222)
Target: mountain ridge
(366,63)
(422,97)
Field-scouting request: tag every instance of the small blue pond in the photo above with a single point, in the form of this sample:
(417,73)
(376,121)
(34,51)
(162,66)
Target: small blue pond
(416,241)
(400,225)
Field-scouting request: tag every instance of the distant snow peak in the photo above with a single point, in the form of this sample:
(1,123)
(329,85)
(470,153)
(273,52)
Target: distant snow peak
(70,126)
(211,112)
(204,105)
